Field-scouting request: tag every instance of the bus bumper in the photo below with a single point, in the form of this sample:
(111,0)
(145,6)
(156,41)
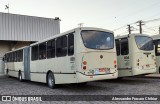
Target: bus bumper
(143,71)
(87,78)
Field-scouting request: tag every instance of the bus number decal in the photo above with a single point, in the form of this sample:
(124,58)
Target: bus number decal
(126,57)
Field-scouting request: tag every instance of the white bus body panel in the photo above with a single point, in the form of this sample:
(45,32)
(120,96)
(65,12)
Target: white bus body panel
(157,38)
(68,71)
(127,64)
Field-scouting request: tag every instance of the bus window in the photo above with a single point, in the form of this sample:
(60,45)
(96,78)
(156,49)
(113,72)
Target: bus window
(15,56)
(117,47)
(51,49)
(70,44)
(12,57)
(157,47)
(42,50)
(17,53)
(61,46)
(21,55)
(144,43)
(97,39)
(34,52)
(124,46)
(9,57)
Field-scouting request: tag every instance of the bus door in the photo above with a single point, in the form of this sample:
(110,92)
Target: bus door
(124,61)
(124,57)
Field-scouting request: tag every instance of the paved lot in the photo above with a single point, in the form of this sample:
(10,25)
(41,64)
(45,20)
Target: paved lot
(127,86)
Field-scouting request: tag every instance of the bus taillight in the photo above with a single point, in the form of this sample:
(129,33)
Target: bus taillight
(84,67)
(115,63)
(84,62)
(138,62)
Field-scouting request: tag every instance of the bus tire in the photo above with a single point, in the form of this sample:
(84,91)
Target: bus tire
(20,76)
(51,80)
(7,73)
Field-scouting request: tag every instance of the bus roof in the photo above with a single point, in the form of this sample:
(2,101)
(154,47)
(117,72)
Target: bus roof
(156,37)
(17,49)
(70,31)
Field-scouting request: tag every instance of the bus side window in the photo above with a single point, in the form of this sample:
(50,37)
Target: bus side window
(61,46)
(15,57)
(17,53)
(21,55)
(34,52)
(51,49)
(124,46)
(157,47)
(12,55)
(42,50)
(118,47)
(70,44)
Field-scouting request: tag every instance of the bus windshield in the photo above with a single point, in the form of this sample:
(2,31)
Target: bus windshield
(97,39)
(144,43)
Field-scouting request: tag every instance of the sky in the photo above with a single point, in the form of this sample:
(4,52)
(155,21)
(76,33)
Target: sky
(107,14)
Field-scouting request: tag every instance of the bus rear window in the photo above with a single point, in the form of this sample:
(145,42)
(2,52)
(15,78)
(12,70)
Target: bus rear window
(97,39)
(144,43)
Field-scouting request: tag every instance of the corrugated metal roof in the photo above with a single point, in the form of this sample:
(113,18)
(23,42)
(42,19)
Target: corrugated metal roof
(16,27)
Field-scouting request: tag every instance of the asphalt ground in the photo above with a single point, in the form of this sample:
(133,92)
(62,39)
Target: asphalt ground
(126,86)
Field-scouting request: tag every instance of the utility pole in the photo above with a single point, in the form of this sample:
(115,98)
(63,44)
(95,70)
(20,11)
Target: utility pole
(129,29)
(140,26)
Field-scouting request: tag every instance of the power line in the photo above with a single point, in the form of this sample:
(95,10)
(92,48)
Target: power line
(149,28)
(153,20)
(148,21)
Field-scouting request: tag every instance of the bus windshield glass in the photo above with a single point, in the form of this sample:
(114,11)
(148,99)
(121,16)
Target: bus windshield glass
(144,43)
(97,39)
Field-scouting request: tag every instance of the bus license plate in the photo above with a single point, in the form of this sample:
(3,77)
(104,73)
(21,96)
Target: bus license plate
(96,71)
(102,69)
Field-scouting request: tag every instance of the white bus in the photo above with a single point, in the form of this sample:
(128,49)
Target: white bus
(77,56)
(135,55)
(14,62)
(156,40)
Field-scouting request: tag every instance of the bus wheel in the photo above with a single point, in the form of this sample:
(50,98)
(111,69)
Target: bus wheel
(50,80)
(20,76)
(7,73)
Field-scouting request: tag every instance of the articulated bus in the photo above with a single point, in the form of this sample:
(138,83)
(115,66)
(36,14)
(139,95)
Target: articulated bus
(135,55)
(77,56)
(156,40)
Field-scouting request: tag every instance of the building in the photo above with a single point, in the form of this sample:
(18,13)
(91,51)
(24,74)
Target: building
(20,30)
